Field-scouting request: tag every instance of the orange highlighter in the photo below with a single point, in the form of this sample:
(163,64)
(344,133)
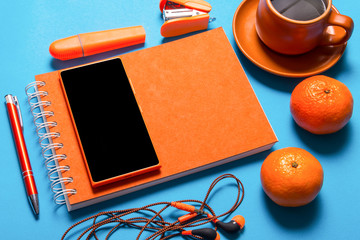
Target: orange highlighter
(184,16)
(87,44)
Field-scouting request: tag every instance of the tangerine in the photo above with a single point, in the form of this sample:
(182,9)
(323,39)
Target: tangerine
(291,177)
(321,105)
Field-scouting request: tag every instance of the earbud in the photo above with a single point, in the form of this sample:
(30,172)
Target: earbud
(206,233)
(236,224)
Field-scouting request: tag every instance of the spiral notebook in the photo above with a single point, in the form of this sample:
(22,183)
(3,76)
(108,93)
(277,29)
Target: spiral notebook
(195,99)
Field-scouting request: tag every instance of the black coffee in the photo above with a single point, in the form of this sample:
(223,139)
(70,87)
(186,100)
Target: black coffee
(301,10)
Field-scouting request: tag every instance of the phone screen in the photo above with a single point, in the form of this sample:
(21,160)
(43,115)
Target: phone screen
(112,132)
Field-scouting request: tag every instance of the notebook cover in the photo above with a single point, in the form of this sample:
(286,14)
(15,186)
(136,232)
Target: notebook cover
(198,106)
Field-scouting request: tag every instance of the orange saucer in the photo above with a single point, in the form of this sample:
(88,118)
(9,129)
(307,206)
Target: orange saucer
(304,65)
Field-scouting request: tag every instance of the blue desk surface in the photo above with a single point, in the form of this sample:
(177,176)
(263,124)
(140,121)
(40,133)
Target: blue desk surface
(28,28)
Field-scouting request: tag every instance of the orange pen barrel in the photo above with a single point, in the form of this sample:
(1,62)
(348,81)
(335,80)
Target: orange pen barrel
(87,44)
(21,149)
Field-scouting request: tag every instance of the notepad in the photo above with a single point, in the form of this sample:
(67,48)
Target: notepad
(195,99)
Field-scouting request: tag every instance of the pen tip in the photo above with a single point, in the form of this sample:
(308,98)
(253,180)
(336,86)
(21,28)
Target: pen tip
(34,201)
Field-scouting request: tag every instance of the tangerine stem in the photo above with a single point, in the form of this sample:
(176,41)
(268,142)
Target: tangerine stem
(294,164)
(327,91)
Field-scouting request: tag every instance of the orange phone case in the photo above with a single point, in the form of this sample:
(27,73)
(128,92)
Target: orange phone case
(109,180)
(123,176)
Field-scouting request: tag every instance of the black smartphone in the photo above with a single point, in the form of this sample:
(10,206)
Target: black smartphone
(110,128)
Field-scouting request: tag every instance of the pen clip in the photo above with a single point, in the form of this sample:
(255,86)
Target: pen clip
(16,102)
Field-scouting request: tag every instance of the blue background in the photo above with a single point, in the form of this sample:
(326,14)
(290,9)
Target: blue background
(27,30)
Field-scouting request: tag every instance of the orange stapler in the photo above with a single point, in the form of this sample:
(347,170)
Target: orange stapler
(184,16)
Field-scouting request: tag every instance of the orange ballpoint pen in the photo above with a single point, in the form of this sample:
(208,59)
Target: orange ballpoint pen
(17,129)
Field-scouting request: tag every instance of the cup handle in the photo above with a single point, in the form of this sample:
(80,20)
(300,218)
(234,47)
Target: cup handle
(343,21)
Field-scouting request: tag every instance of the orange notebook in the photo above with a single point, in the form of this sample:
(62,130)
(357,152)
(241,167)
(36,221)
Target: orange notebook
(197,103)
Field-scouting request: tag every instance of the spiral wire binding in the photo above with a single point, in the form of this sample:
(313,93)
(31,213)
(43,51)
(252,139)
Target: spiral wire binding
(43,130)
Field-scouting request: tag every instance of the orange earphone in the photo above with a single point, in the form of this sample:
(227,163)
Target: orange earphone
(236,224)
(159,227)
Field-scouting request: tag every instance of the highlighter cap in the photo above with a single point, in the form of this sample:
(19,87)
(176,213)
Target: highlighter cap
(66,48)
(87,44)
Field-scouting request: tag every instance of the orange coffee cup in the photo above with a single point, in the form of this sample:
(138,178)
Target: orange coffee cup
(289,36)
